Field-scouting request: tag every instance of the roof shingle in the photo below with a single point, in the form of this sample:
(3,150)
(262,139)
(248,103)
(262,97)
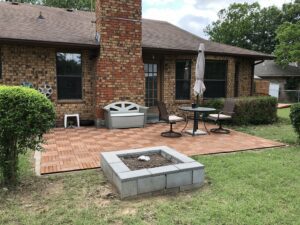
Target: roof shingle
(21,23)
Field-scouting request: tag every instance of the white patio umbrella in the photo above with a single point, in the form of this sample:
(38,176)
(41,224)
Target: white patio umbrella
(199,87)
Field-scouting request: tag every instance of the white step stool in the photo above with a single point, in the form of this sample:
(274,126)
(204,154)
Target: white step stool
(71,115)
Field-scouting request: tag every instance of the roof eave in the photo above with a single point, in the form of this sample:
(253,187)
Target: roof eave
(255,57)
(48,43)
(145,48)
(169,50)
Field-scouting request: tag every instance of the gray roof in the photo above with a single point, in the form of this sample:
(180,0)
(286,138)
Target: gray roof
(270,69)
(20,23)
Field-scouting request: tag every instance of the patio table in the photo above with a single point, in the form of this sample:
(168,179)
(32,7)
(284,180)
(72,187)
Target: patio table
(196,112)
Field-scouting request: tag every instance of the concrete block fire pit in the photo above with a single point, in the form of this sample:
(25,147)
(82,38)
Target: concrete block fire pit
(169,171)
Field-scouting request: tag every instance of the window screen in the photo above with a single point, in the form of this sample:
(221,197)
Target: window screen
(69,75)
(183,80)
(215,79)
(150,84)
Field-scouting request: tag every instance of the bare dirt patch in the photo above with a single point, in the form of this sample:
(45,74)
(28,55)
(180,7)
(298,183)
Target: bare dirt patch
(156,160)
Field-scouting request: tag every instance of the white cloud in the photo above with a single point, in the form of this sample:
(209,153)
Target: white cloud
(193,15)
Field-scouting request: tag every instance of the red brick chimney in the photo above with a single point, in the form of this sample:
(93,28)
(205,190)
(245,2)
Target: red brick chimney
(120,74)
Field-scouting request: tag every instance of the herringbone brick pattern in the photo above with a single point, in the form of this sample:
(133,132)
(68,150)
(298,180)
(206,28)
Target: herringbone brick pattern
(79,148)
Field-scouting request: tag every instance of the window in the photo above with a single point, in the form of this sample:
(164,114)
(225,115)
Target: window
(69,75)
(151,84)
(215,79)
(183,80)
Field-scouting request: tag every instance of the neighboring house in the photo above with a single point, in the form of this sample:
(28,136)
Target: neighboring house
(277,76)
(93,59)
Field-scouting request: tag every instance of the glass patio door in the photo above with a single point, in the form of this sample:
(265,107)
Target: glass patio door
(150,84)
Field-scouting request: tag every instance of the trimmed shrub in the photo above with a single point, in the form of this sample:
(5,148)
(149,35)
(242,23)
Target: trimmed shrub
(217,103)
(295,118)
(249,110)
(25,115)
(255,110)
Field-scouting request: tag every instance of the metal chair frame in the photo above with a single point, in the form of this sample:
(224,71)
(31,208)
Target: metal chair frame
(227,110)
(164,115)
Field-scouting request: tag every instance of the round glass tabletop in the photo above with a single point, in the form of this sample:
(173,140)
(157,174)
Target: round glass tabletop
(197,109)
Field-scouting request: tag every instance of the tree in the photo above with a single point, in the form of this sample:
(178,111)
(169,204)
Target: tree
(265,30)
(246,26)
(291,12)
(77,4)
(25,115)
(249,26)
(288,49)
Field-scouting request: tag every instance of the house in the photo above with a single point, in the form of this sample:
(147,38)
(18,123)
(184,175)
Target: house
(279,79)
(92,59)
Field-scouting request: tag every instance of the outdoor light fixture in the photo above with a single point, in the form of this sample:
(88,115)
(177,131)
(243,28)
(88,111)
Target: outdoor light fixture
(97,37)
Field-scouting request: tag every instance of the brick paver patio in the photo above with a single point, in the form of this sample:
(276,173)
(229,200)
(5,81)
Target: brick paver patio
(79,148)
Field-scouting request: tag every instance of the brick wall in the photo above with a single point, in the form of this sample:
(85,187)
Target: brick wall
(168,93)
(37,65)
(245,77)
(169,78)
(120,73)
(262,87)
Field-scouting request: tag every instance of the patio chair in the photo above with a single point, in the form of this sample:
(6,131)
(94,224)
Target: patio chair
(225,114)
(171,119)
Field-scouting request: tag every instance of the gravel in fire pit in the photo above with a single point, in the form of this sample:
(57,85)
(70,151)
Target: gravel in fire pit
(156,160)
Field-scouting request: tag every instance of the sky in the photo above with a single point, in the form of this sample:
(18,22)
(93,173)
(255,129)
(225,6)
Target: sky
(194,15)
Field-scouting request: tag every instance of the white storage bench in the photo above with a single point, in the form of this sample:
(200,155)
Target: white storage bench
(125,115)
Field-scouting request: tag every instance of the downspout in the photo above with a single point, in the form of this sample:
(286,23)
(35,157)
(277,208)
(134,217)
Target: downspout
(252,75)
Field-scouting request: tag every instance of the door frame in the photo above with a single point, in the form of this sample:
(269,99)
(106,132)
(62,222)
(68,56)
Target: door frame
(157,62)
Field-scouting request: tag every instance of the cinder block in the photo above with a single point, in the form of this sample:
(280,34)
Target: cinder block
(129,189)
(134,174)
(110,157)
(163,170)
(107,170)
(117,182)
(190,166)
(178,156)
(119,167)
(198,176)
(150,184)
(179,179)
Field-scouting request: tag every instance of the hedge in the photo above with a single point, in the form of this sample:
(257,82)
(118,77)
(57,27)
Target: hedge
(295,118)
(250,110)
(25,115)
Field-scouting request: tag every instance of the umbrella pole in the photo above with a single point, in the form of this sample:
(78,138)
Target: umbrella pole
(197,114)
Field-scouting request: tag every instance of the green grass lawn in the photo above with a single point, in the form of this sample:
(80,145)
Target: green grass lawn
(280,131)
(253,187)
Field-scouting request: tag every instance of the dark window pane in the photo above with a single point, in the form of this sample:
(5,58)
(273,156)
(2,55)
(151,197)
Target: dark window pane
(69,76)
(214,89)
(215,79)
(69,87)
(180,70)
(182,90)
(183,80)
(151,84)
(215,70)
(68,64)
